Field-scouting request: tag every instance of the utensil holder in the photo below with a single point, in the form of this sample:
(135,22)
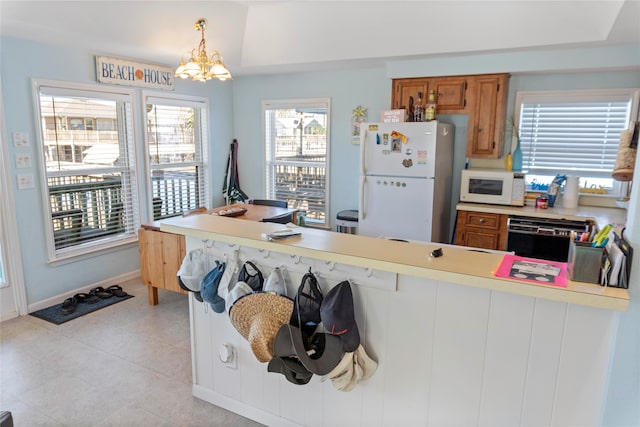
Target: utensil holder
(585,262)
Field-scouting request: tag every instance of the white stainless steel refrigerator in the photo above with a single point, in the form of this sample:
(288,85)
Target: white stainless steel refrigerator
(405,180)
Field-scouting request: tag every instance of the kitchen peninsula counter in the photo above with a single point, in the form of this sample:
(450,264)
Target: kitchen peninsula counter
(457,265)
(454,344)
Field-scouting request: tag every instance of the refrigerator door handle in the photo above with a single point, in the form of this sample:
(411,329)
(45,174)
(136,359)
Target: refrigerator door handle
(363,138)
(363,207)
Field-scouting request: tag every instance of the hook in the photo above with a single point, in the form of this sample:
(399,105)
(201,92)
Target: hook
(231,245)
(296,259)
(207,242)
(331,264)
(368,271)
(265,253)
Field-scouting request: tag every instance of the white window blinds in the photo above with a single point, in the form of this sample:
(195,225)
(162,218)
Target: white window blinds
(175,133)
(89,168)
(570,132)
(297,155)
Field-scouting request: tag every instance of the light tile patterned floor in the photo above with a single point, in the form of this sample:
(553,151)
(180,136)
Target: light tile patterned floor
(128,364)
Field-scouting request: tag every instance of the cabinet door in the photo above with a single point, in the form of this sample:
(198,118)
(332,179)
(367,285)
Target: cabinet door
(481,230)
(403,89)
(173,252)
(161,255)
(451,94)
(485,137)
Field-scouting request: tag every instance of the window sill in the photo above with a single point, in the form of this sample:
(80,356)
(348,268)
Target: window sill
(91,252)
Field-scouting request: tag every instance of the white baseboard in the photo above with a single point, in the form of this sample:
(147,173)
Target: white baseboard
(116,280)
(8,315)
(240,408)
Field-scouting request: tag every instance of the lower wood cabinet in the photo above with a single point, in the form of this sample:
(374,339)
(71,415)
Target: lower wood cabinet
(161,255)
(481,230)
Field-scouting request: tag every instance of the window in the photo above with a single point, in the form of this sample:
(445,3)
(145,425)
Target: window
(89,174)
(573,133)
(297,155)
(175,131)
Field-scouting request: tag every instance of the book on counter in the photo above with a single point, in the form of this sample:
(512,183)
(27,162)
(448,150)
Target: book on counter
(533,270)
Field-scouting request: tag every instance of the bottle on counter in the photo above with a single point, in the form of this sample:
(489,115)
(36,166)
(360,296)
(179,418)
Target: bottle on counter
(430,108)
(418,115)
(508,162)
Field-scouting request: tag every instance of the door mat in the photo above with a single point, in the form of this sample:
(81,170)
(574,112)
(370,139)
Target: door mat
(55,315)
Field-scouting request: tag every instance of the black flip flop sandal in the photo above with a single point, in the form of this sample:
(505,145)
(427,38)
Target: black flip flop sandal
(69,305)
(86,298)
(101,292)
(117,291)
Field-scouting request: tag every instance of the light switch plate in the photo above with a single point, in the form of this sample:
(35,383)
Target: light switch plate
(23,160)
(25,181)
(20,139)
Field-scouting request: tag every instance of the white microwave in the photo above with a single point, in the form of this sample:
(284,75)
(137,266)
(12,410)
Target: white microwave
(492,186)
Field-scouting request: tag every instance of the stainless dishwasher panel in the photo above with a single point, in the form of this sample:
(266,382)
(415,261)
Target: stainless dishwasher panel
(542,238)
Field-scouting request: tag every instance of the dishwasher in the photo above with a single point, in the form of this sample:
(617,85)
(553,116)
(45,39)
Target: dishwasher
(543,238)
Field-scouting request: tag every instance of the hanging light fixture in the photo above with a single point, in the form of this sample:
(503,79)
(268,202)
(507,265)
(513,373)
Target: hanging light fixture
(202,66)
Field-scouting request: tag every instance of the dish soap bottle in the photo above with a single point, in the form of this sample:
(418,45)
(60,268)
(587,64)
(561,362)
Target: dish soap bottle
(430,108)
(508,162)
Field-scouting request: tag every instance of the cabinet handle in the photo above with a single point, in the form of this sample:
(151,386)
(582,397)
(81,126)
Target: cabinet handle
(481,220)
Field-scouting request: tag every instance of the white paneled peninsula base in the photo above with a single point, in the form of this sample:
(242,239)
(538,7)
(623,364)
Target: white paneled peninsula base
(455,345)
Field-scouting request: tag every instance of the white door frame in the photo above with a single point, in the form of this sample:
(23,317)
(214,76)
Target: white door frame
(12,260)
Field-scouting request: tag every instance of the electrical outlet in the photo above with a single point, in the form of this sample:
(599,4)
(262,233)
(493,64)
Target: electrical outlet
(228,355)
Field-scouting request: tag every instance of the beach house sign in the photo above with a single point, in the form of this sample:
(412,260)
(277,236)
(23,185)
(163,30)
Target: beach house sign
(131,73)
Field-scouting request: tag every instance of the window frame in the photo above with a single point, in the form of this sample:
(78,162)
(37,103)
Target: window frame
(202,144)
(293,103)
(575,96)
(132,218)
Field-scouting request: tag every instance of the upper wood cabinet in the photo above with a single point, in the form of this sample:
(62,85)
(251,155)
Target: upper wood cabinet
(485,134)
(450,93)
(404,89)
(482,97)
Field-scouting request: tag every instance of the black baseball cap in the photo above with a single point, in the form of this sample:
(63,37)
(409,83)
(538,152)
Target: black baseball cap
(320,353)
(306,305)
(285,362)
(338,316)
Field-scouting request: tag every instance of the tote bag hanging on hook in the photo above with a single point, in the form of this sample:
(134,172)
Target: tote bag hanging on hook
(231,190)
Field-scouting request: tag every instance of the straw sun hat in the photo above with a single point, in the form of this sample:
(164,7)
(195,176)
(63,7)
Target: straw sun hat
(257,317)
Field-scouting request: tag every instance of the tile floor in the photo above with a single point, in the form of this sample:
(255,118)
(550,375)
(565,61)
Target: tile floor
(128,364)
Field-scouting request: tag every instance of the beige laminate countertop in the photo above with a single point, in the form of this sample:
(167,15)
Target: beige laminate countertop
(600,215)
(457,265)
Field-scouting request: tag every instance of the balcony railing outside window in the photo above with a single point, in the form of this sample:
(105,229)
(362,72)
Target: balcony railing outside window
(89,162)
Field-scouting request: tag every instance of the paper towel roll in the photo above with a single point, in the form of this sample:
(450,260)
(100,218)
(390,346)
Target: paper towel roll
(571,190)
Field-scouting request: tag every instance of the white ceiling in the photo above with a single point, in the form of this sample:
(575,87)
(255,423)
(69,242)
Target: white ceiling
(259,37)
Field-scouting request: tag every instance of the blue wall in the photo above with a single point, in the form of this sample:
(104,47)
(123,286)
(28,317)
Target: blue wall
(236,113)
(23,60)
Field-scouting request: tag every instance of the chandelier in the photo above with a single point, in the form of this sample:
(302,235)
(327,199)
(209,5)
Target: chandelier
(202,66)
